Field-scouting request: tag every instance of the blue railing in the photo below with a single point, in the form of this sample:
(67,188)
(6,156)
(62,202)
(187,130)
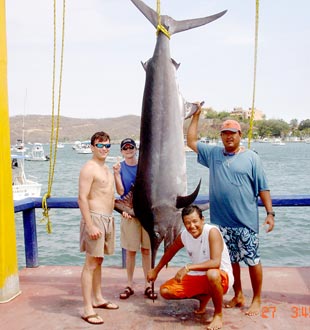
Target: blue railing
(28,206)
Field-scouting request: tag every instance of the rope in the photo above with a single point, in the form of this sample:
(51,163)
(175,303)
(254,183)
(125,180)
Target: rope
(250,134)
(160,27)
(54,132)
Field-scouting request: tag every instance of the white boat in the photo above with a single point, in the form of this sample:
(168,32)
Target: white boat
(19,146)
(83,148)
(76,145)
(278,142)
(22,186)
(60,145)
(264,140)
(37,153)
(207,141)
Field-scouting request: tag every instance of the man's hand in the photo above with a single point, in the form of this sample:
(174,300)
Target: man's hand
(180,274)
(126,215)
(93,232)
(117,168)
(198,111)
(151,275)
(269,222)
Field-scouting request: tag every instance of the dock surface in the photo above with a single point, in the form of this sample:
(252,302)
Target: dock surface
(51,299)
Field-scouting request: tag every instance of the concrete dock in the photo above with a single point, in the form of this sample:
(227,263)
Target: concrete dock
(51,299)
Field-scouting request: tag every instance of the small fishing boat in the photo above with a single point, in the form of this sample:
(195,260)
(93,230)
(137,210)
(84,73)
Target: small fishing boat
(19,146)
(23,187)
(37,153)
(83,148)
(278,142)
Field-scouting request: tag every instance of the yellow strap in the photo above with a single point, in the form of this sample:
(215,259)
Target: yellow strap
(54,132)
(250,134)
(160,27)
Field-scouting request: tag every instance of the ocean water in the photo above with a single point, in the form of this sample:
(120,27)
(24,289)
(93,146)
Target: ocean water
(287,168)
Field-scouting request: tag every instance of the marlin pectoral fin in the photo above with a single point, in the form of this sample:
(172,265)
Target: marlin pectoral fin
(191,108)
(125,204)
(183,201)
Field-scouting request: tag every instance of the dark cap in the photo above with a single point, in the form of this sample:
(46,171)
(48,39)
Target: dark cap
(128,141)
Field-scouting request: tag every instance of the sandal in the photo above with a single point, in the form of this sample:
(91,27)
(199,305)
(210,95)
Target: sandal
(149,294)
(127,293)
(93,319)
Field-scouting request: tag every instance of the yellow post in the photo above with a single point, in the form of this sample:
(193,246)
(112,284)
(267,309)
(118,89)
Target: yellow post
(9,281)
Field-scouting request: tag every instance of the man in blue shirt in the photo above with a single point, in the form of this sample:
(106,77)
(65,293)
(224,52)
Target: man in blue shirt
(133,235)
(237,179)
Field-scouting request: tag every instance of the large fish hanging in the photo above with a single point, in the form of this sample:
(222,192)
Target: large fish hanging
(159,192)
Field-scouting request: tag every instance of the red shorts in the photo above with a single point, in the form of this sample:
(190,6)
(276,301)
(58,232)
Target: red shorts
(193,285)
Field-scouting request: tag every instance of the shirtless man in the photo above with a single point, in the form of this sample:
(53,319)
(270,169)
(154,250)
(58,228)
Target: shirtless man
(97,233)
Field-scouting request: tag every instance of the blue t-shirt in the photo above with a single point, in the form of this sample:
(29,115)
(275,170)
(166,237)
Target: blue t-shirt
(235,183)
(128,175)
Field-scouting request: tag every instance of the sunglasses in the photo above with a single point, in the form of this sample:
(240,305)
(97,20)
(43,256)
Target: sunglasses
(101,145)
(129,147)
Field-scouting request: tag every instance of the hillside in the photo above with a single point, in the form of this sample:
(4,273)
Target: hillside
(37,128)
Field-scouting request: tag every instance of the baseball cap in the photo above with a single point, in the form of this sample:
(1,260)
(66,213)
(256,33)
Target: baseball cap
(128,141)
(230,125)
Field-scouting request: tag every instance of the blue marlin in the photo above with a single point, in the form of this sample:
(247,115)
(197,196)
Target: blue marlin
(160,189)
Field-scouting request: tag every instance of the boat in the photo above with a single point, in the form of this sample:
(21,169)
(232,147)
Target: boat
(37,153)
(264,140)
(207,141)
(278,142)
(76,145)
(83,148)
(19,146)
(23,187)
(60,145)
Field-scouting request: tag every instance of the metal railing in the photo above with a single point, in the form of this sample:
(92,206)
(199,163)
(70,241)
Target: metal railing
(27,207)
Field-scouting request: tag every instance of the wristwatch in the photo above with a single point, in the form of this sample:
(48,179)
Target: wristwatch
(272,213)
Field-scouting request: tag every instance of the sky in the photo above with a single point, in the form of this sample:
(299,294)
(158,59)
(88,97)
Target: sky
(106,40)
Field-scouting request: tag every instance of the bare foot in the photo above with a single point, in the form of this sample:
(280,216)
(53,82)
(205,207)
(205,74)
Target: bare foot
(254,308)
(216,323)
(236,302)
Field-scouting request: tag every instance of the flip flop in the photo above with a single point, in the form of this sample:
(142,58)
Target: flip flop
(107,305)
(92,316)
(127,293)
(149,294)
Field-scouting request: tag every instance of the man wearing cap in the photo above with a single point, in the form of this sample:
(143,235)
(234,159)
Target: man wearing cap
(236,180)
(133,235)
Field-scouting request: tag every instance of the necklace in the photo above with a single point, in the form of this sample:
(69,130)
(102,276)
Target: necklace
(231,157)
